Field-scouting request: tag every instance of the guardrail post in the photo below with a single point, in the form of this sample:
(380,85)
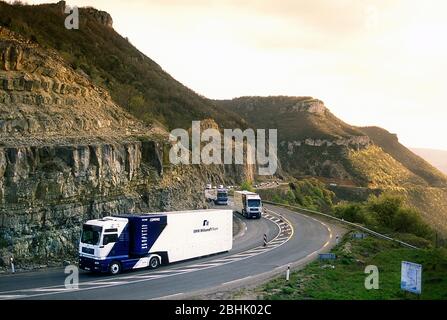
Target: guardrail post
(13,269)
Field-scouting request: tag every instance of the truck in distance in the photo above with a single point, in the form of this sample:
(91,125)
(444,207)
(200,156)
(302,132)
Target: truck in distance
(218,196)
(221,197)
(248,204)
(117,243)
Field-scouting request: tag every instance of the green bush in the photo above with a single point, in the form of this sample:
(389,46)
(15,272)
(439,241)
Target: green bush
(385,213)
(246,185)
(308,193)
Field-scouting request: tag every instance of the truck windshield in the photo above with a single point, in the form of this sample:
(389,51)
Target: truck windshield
(91,234)
(254,203)
(222,195)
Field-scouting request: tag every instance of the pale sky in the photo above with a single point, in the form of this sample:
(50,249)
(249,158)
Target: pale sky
(373,62)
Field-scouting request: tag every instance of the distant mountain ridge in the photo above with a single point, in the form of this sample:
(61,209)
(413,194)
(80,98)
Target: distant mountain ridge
(390,143)
(312,141)
(437,158)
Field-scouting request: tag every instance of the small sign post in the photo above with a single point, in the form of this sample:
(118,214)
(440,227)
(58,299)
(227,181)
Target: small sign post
(411,277)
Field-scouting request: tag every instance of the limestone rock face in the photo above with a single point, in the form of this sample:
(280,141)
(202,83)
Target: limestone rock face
(68,153)
(102,17)
(313,106)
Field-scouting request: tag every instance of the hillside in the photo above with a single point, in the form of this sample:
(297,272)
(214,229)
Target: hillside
(68,154)
(437,158)
(135,82)
(51,101)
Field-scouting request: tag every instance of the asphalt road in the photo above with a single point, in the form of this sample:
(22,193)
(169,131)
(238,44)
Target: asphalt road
(292,237)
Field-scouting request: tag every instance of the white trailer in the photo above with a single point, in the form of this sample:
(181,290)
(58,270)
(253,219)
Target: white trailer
(192,234)
(113,244)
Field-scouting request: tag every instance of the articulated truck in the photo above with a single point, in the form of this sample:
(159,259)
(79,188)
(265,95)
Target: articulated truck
(117,243)
(248,204)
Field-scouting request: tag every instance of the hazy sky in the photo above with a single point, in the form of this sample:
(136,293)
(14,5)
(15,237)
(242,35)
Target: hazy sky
(373,62)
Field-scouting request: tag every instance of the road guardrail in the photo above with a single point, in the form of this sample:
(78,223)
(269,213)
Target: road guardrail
(355,225)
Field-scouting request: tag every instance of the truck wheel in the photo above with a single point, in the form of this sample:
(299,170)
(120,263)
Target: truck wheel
(115,268)
(154,263)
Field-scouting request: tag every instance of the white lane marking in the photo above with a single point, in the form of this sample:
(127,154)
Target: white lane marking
(280,239)
(49,290)
(275,242)
(163,271)
(168,297)
(105,282)
(220,260)
(312,254)
(257,249)
(243,254)
(11,296)
(150,277)
(237,280)
(186,269)
(204,264)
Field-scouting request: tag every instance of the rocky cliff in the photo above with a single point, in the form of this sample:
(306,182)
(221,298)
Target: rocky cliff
(68,153)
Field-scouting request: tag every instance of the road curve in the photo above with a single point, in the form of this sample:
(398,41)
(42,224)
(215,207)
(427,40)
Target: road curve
(292,237)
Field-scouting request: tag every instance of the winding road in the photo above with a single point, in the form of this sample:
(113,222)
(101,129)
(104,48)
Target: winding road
(293,238)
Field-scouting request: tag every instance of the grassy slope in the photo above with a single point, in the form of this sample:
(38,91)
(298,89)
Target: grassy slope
(346,280)
(380,169)
(383,171)
(135,82)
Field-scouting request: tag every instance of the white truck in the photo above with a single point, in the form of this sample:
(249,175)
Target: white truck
(248,204)
(125,242)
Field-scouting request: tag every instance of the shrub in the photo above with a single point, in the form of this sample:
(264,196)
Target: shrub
(246,185)
(385,213)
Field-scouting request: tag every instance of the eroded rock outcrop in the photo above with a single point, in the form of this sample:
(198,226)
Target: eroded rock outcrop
(310,105)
